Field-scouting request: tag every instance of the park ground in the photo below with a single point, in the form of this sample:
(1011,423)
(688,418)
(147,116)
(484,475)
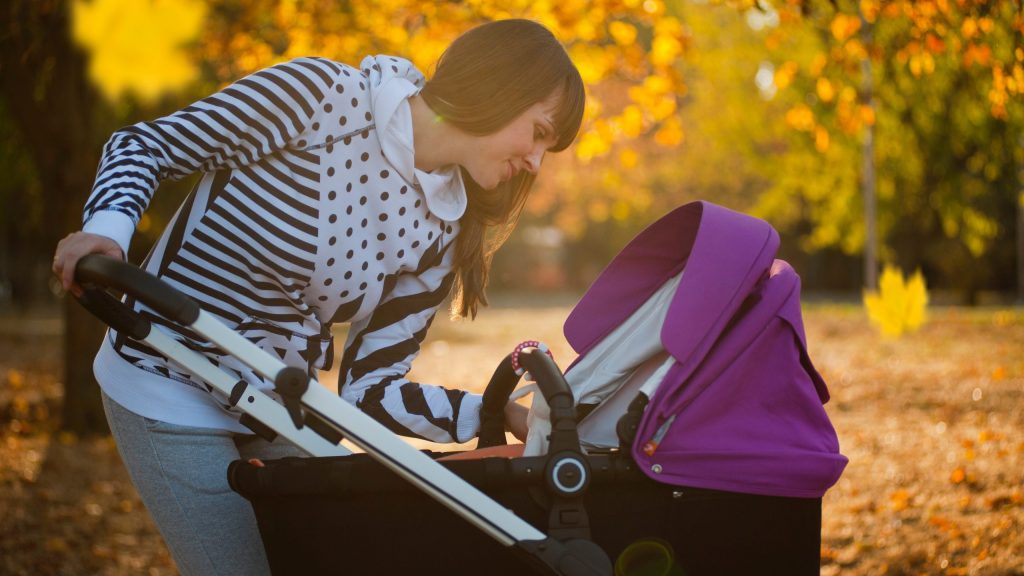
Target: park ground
(933,424)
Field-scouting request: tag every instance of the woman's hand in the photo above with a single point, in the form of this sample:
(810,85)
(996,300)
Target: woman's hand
(71,249)
(515,420)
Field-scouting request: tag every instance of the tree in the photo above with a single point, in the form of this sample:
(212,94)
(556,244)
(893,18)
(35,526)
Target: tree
(55,113)
(947,83)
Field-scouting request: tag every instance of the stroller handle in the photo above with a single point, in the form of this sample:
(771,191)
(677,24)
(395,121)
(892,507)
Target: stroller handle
(105,272)
(549,379)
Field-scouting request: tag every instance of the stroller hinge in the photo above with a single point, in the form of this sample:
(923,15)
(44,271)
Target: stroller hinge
(291,383)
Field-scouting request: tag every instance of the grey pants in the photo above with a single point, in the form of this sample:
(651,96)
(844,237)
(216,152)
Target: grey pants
(181,474)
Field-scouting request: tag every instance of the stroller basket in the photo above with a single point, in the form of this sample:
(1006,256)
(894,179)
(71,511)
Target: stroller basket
(350,515)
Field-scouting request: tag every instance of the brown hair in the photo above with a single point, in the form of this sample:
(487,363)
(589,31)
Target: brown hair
(485,79)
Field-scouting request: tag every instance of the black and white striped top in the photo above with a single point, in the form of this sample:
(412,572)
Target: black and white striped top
(301,220)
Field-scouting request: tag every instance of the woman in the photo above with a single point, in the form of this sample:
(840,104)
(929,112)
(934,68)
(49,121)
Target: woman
(330,194)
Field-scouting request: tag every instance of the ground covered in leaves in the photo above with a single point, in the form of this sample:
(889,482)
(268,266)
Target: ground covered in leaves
(933,425)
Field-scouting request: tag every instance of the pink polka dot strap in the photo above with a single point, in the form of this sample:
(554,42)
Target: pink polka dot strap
(523,346)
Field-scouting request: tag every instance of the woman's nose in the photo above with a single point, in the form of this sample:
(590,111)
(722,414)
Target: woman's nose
(533,159)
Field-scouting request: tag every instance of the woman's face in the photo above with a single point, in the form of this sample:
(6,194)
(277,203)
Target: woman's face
(520,145)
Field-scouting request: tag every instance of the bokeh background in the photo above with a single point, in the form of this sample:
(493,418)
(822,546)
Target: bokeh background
(875,135)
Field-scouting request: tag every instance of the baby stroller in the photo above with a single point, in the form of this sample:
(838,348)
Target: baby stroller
(708,457)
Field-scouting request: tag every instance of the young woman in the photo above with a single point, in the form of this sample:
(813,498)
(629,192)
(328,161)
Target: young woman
(329,194)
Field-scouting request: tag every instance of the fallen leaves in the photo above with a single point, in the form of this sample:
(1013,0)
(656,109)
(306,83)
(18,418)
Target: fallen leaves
(934,484)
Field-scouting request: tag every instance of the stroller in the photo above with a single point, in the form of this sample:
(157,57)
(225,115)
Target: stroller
(712,462)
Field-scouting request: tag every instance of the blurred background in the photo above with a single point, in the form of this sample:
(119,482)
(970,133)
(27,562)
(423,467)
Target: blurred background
(884,140)
(868,132)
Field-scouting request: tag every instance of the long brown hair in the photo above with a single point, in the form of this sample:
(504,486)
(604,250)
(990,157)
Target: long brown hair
(485,79)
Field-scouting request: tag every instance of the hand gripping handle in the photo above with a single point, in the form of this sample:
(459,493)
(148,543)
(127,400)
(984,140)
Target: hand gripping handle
(105,272)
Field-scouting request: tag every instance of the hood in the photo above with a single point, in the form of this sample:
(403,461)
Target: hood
(392,82)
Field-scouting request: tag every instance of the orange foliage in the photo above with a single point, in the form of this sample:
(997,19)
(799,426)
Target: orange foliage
(623,40)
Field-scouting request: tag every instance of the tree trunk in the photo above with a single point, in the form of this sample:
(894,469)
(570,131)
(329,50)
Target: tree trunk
(43,82)
(868,171)
(83,411)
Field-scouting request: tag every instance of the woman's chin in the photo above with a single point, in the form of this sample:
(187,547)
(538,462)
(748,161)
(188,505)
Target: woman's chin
(492,184)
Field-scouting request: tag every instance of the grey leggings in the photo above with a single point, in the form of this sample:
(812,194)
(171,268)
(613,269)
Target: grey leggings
(181,474)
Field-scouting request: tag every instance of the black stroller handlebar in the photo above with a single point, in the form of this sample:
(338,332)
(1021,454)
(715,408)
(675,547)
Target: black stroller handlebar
(105,272)
(504,380)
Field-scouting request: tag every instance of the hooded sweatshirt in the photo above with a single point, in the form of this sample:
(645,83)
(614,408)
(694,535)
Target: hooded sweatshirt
(309,212)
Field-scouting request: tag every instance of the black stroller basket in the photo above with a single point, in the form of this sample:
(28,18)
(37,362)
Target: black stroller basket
(396,510)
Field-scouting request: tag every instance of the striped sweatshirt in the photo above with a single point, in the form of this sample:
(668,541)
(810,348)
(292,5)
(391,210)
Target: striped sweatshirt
(309,212)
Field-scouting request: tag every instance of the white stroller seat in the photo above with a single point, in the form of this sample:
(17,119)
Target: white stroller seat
(629,359)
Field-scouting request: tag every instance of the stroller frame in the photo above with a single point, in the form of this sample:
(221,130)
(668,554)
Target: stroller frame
(316,420)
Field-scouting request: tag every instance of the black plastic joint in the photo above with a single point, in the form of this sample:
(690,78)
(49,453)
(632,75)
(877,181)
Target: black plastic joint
(236,392)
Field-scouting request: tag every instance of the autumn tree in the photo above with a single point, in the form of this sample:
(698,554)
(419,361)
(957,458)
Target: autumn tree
(937,86)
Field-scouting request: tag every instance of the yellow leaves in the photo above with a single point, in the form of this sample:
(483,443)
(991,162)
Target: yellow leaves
(818,64)
(821,139)
(973,228)
(665,50)
(654,86)
(922,63)
(899,305)
(670,134)
(977,55)
(870,9)
(899,500)
(867,114)
(959,475)
(1005,86)
(138,46)
(631,121)
(800,117)
(1015,80)
(628,159)
(592,60)
(667,45)
(784,75)
(825,90)
(624,34)
(934,44)
(620,210)
(854,50)
(595,142)
(15,379)
(990,436)
(844,26)
(942,523)
(655,96)
(968,28)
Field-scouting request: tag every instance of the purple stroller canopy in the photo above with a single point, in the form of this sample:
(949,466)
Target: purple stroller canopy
(741,408)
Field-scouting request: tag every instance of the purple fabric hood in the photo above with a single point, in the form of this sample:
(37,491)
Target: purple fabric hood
(743,402)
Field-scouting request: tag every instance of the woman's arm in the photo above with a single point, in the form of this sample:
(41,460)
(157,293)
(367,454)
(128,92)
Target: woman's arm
(380,351)
(262,113)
